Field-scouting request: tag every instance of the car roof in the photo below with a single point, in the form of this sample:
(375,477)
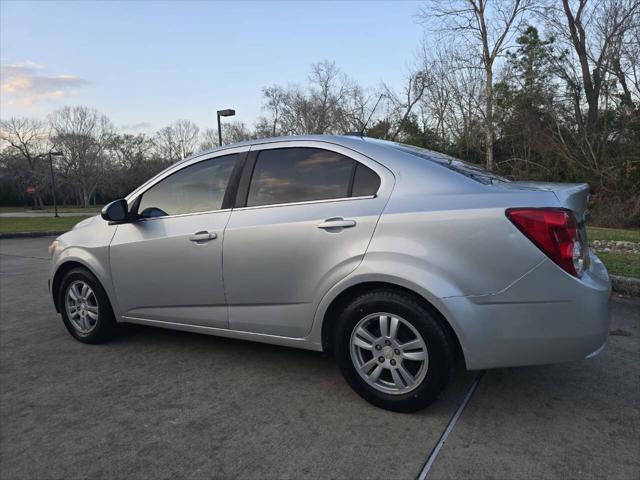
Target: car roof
(382,151)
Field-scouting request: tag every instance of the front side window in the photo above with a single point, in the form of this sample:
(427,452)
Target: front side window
(197,188)
(289,175)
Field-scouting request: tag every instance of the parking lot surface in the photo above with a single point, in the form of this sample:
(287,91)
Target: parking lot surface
(155,403)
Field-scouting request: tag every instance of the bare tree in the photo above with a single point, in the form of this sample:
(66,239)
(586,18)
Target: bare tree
(596,32)
(328,91)
(402,104)
(129,150)
(630,62)
(234,132)
(597,65)
(28,139)
(275,102)
(186,136)
(466,120)
(82,134)
(178,140)
(331,103)
(209,139)
(452,103)
(487,28)
(166,144)
(437,101)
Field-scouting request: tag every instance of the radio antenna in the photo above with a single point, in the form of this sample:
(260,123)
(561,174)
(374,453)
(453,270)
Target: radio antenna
(370,115)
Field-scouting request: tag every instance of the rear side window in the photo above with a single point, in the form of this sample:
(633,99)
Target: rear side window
(288,175)
(475,172)
(196,188)
(366,182)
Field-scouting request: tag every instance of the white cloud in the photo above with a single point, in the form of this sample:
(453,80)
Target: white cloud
(142,127)
(25,85)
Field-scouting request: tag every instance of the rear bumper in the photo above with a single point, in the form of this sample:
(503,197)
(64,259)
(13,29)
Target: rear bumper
(545,317)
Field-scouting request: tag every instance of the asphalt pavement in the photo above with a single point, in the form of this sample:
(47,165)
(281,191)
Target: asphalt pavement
(160,404)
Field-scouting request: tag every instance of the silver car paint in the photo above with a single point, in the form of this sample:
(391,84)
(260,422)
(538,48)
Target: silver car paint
(277,259)
(181,278)
(159,273)
(441,235)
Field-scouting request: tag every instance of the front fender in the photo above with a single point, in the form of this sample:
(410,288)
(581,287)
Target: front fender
(95,260)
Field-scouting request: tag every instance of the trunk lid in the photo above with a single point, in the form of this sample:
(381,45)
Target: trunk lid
(574,196)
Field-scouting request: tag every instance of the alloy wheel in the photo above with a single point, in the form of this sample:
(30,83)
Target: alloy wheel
(389,353)
(82,307)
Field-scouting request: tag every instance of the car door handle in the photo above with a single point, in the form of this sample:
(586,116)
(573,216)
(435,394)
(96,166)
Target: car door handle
(337,222)
(202,237)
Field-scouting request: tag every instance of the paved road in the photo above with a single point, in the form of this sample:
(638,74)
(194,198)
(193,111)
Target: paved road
(161,404)
(579,420)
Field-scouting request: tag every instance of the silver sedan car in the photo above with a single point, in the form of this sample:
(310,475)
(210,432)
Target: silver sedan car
(395,258)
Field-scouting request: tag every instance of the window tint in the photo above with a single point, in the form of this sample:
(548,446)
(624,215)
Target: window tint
(289,175)
(476,172)
(366,181)
(198,188)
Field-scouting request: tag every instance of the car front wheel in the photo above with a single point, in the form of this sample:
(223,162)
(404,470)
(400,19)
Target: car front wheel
(393,351)
(85,307)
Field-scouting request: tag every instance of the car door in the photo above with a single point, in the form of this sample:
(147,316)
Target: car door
(167,264)
(304,216)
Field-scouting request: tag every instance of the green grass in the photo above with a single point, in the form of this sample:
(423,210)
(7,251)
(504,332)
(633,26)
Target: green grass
(38,224)
(624,264)
(49,209)
(618,234)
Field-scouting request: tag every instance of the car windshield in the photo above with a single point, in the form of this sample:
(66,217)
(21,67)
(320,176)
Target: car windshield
(470,170)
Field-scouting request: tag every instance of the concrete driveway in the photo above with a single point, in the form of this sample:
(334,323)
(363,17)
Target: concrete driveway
(161,404)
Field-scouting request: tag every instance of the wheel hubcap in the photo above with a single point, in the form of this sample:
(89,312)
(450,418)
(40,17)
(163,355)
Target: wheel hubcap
(82,307)
(389,353)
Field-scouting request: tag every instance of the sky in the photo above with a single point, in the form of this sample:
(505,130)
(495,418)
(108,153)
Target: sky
(147,63)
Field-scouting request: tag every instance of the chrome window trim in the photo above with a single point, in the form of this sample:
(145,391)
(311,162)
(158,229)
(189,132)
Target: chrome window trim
(307,202)
(141,219)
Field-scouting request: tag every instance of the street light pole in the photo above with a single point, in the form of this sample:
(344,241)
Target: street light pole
(228,112)
(53,181)
(219,132)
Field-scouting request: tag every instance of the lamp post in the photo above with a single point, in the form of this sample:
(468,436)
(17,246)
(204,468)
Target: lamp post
(53,182)
(228,112)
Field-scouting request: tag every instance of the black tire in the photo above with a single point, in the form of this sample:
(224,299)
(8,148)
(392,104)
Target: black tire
(441,351)
(105,325)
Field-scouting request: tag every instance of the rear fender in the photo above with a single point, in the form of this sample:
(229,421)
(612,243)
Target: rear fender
(365,275)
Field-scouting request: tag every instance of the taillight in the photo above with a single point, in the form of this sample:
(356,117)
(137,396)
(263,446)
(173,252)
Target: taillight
(555,232)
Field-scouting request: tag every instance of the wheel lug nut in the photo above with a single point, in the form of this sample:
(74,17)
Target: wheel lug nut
(381,359)
(387,342)
(378,347)
(393,362)
(396,351)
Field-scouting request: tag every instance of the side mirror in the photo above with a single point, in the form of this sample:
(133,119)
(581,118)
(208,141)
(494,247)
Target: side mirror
(116,211)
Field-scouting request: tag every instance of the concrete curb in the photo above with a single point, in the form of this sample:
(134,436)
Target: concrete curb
(626,285)
(31,234)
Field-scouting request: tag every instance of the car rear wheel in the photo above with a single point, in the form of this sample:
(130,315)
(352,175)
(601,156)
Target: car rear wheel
(393,351)
(85,307)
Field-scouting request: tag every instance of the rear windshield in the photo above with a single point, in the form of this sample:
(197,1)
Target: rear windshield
(472,171)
